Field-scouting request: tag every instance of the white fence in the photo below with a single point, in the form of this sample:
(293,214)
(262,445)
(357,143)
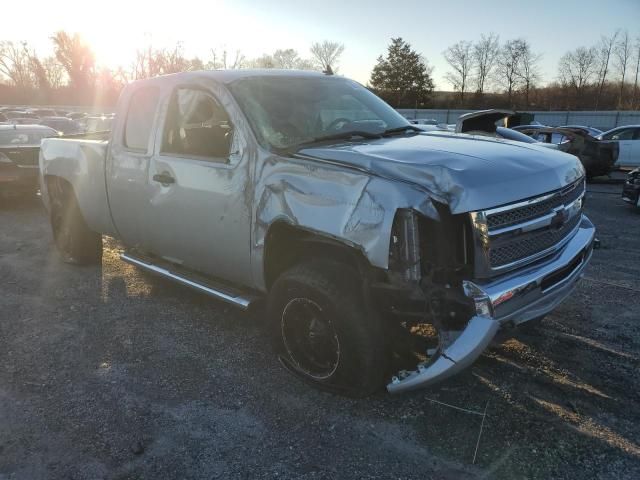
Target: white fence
(604,120)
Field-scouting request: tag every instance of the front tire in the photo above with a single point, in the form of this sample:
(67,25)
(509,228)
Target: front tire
(75,242)
(323,330)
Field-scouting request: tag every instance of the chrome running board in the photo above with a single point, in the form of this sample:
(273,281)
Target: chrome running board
(203,285)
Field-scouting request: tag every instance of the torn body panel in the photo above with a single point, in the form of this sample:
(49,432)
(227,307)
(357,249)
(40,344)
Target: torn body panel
(597,156)
(348,205)
(513,298)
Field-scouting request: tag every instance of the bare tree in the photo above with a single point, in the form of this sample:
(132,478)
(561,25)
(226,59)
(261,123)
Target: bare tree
(151,62)
(484,53)
(604,49)
(223,60)
(15,63)
(327,54)
(78,61)
(172,60)
(576,69)
(460,59)
(286,59)
(39,73)
(54,71)
(622,53)
(528,69)
(139,67)
(635,80)
(264,61)
(507,73)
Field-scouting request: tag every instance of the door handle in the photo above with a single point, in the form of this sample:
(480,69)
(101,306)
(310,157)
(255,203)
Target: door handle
(164,178)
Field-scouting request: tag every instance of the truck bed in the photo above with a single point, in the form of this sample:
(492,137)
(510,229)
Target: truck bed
(81,162)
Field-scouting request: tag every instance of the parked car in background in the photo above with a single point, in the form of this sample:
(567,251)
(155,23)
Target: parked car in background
(423,121)
(631,188)
(597,156)
(42,112)
(64,125)
(594,132)
(516,136)
(97,124)
(541,133)
(19,149)
(24,121)
(628,139)
(76,115)
(488,123)
(15,114)
(308,191)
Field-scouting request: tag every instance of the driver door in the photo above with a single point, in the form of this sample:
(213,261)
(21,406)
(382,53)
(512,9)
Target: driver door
(198,179)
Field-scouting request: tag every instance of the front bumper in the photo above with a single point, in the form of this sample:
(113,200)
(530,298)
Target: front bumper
(514,298)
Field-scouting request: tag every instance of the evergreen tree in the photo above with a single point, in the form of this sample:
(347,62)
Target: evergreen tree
(403,77)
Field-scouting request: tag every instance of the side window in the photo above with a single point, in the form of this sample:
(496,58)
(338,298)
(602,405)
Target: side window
(197,126)
(626,134)
(142,109)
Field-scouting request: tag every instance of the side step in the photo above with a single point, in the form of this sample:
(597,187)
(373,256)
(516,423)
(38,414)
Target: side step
(159,267)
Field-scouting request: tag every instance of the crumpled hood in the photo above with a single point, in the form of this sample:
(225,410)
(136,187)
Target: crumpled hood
(467,172)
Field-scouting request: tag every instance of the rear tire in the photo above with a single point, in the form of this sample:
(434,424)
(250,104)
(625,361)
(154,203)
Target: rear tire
(323,330)
(75,242)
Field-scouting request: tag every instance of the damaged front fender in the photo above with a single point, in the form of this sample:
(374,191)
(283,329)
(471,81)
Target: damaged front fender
(346,204)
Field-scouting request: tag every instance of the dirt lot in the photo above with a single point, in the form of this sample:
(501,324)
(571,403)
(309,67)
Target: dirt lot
(109,373)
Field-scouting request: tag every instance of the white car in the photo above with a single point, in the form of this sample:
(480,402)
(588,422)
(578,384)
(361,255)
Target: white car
(628,138)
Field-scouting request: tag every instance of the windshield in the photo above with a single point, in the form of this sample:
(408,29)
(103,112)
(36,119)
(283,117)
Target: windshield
(20,137)
(288,111)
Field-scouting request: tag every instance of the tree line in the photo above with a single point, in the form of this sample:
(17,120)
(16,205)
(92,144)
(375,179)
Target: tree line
(484,73)
(604,75)
(71,75)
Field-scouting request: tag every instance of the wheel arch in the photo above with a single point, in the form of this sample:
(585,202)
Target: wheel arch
(81,164)
(287,244)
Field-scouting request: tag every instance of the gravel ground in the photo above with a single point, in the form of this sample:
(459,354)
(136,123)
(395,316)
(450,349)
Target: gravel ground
(109,373)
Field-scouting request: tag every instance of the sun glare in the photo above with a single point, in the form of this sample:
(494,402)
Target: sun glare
(115,37)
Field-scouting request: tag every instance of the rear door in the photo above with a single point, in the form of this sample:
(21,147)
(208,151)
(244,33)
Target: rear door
(130,153)
(634,158)
(198,209)
(624,137)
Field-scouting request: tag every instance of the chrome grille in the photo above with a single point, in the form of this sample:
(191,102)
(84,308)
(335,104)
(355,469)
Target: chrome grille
(516,234)
(533,210)
(531,244)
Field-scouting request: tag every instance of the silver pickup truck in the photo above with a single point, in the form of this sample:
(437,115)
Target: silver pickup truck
(386,255)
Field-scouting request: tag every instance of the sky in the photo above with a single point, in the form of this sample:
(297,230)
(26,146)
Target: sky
(116,28)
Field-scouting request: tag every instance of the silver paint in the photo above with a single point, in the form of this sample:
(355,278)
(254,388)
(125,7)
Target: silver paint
(217,216)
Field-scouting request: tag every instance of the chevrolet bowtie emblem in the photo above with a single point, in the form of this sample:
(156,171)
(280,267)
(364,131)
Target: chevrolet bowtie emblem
(559,218)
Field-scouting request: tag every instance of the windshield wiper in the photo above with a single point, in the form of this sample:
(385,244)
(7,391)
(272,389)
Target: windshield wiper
(404,128)
(340,136)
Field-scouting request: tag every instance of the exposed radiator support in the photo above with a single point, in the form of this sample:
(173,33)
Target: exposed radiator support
(410,238)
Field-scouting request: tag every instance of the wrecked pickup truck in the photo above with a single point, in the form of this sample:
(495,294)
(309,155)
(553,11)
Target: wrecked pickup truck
(386,255)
